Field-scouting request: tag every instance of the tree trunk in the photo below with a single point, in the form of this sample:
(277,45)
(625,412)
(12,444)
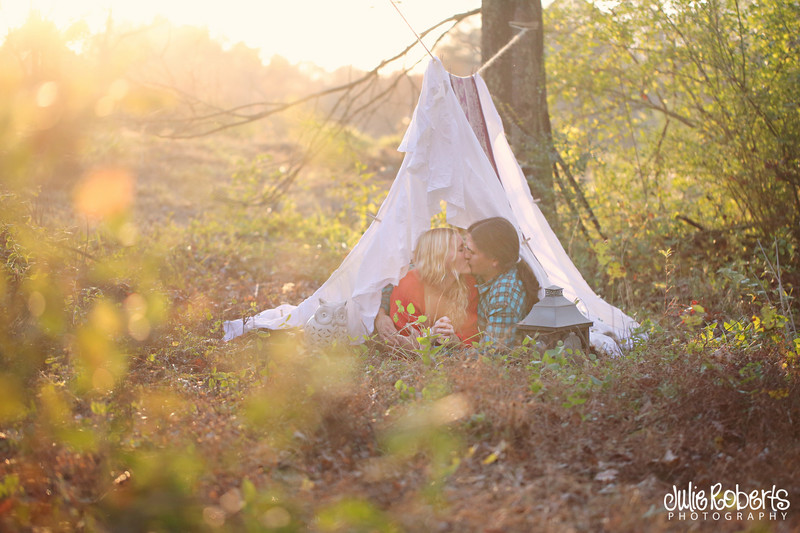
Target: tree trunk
(517,82)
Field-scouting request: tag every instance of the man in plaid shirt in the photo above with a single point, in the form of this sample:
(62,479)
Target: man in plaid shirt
(507,287)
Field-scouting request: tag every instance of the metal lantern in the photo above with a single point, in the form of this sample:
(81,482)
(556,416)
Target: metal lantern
(555,319)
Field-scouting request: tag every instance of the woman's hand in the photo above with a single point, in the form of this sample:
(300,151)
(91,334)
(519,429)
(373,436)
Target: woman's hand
(444,329)
(384,327)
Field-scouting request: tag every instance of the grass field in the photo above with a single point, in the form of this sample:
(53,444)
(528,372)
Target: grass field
(135,416)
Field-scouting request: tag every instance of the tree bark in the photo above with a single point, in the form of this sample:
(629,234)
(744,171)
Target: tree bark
(518,83)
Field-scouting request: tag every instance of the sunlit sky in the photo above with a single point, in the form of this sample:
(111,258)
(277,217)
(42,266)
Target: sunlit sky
(331,33)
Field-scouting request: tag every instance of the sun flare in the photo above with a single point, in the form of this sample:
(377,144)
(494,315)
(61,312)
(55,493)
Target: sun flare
(330,34)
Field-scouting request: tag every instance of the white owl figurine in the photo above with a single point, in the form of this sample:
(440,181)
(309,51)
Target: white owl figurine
(328,324)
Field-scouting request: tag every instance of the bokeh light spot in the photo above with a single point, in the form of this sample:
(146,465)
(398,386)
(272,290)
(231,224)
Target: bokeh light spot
(36,304)
(135,305)
(47,94)
(128,234)
(102,380)
(104,192)
(139,327)
(232,501)
(118,89)
(104,106)
(450,409)
(105,318)
(276,518)
(214,516)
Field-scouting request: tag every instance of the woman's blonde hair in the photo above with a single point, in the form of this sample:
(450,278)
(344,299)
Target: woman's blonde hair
(446,293)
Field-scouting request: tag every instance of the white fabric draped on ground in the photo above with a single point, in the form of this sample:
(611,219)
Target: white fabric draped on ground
(446,161)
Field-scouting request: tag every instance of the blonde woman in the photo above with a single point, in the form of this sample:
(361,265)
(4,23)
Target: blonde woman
(438,288)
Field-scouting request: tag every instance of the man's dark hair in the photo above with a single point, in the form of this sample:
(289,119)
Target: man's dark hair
(498,239)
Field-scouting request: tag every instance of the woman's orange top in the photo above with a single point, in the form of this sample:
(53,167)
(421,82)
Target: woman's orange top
(410,292)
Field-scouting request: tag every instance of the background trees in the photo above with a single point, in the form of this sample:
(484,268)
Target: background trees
(680,120)
(518,82)
(694,94)
(659,125)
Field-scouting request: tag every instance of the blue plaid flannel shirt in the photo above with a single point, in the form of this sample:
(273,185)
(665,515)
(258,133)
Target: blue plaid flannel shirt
(501,306)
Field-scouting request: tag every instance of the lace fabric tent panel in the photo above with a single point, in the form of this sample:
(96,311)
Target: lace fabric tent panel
(448,158)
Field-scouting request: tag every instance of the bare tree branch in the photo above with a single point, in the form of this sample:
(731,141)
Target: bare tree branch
(197,126)
(345,110)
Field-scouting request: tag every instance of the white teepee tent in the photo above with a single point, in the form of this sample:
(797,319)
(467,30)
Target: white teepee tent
(456,150)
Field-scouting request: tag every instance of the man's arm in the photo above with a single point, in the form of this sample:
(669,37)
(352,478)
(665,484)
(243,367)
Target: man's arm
(503,304)
(386,298)
(384,325)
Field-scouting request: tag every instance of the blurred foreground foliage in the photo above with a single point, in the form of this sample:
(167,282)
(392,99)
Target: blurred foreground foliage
(121,410)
